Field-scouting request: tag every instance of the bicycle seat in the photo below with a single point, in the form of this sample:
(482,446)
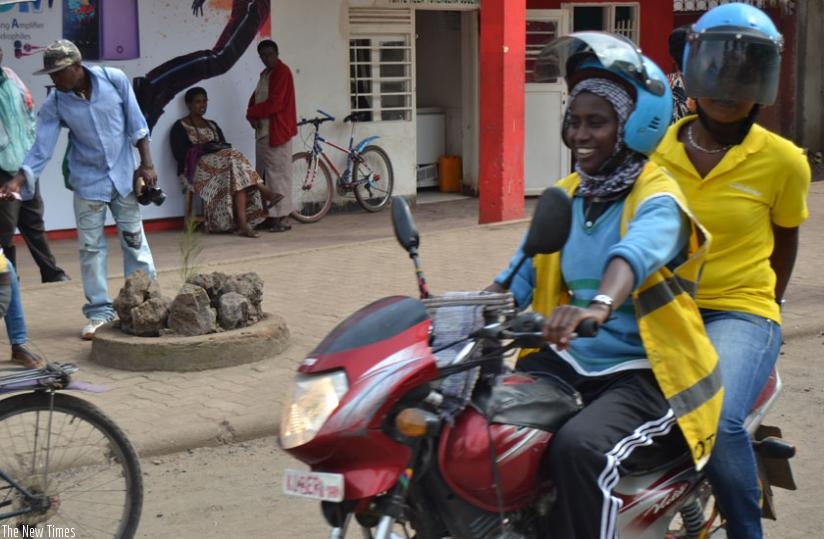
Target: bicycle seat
(355,117)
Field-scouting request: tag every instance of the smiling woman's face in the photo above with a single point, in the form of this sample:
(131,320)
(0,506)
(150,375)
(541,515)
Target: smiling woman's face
(592,131)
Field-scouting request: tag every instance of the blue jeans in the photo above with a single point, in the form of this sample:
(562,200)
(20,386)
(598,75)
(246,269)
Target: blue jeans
(91,217)
(15,321)
(748,347)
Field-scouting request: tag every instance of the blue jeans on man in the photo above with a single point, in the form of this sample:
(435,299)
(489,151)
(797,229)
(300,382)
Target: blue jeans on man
(748,348)
(15,321)
(90,216)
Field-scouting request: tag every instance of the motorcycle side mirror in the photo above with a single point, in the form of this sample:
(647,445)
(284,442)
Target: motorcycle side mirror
(548,230)
(550,224)
(405,230)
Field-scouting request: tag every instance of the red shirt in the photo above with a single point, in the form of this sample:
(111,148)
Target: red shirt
(279,107)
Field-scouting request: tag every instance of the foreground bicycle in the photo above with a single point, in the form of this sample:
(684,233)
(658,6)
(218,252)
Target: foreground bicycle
(368,173)
(66,470)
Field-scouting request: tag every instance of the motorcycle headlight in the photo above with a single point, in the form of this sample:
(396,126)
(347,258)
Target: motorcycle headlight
(313,399)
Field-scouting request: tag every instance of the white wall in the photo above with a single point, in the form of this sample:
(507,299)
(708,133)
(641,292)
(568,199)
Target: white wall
(167,29)
(311,34)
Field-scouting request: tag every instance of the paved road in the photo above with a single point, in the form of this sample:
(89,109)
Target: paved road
(314,276)
(317,274)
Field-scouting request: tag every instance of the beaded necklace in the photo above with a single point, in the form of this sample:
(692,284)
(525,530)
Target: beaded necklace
(700,148)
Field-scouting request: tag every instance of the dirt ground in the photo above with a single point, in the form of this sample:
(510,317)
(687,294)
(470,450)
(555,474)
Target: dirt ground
(235,490)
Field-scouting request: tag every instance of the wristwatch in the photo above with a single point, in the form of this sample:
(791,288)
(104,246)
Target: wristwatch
(603,299)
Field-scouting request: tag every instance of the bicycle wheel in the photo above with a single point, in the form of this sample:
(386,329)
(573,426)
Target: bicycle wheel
(311,192)
(373,178)
(80,467)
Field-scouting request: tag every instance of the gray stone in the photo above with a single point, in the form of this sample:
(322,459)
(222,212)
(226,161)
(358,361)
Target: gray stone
(249,285)
(137,289)
(153,291)
(150,317)
(233,311)
(123,305)
(191,312)
(137,282)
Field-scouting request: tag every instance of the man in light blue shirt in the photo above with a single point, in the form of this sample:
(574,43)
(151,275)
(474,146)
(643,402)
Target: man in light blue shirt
(99,108)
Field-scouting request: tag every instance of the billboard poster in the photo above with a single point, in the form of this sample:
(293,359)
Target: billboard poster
(165,46)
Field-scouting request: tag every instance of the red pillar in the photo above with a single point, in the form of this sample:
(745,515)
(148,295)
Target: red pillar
(501,167)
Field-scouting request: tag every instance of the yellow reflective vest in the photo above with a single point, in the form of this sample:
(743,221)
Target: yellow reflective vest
(682,357)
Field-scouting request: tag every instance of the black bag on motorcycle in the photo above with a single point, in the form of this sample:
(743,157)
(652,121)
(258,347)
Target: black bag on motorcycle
(539,402)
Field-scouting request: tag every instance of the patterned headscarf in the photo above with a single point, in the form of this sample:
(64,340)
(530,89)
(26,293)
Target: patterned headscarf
(619,172)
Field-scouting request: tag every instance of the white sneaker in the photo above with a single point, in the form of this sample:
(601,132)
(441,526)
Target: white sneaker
(88,330)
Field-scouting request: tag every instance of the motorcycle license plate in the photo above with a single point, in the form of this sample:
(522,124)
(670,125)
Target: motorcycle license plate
(316,485)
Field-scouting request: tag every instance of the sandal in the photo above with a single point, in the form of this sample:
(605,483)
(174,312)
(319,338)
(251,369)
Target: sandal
(279,228)
(247,232)
(280,225)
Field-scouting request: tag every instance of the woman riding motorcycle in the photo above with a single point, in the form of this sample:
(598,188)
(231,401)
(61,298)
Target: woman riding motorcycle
(632,259)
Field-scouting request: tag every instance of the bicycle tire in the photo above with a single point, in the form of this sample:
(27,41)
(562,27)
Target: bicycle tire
(310,200)
(373,194)
(92,468)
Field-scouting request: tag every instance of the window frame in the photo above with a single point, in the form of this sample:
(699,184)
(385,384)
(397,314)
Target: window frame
(611,16)
(371,39)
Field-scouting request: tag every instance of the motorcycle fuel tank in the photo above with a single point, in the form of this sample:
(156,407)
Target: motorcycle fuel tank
(466,453)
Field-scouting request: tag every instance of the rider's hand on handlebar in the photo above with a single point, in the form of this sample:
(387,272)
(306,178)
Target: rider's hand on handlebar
(559,328)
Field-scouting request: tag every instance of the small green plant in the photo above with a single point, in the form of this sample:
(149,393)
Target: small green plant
(190,249)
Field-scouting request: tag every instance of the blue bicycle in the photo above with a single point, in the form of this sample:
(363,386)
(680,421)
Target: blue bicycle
(368,173)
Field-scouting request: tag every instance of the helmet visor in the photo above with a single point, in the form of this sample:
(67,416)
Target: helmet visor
(615,53)
(732,66)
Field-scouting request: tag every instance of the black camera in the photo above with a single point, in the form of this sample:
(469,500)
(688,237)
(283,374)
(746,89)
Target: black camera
(152,195)
(148,194)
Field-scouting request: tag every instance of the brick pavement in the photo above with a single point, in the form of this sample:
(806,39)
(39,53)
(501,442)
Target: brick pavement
(314,276)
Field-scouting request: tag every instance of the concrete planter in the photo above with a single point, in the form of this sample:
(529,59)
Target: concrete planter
(113,348)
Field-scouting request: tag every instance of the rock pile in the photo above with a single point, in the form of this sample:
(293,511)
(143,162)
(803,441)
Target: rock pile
(207,303)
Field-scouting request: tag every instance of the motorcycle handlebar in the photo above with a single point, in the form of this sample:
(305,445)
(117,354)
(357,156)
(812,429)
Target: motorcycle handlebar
(529,327)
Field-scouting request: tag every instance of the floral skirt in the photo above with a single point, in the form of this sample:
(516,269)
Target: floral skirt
(218,177)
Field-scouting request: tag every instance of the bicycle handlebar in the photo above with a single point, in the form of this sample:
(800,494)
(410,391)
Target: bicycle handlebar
(317,120)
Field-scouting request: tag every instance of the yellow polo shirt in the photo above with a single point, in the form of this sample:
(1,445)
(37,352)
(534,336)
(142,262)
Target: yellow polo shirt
(760,182)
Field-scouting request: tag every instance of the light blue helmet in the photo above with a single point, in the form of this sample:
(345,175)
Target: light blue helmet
(733,50)
(571,55)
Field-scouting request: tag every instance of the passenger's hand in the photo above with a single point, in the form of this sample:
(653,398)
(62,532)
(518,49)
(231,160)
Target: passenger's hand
(559,327)
(148,174)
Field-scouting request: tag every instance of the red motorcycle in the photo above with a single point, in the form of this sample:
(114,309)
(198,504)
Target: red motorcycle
(411,422)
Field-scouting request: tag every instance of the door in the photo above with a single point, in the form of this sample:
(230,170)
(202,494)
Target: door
(546,159)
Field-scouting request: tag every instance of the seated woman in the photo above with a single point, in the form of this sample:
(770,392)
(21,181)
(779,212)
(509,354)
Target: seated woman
(233,194)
